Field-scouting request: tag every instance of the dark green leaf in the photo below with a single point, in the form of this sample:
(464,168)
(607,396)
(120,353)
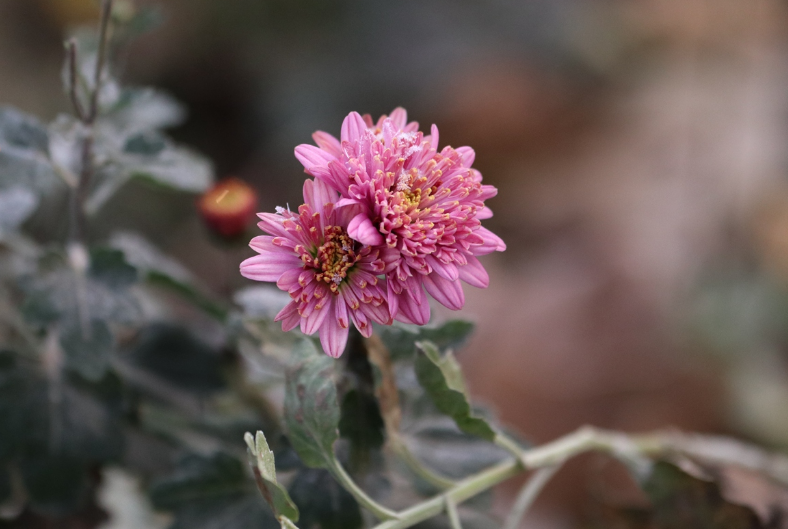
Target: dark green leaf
(311,408)
(109,266)
(211,491)
(442,379)
(175,355)
(322,502)
(264,468)
(400,338)
(87,350)
(56,485)
(199,478)
(682,501)
(360,421)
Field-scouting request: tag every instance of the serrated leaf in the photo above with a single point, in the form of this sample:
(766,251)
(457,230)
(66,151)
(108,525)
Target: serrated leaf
(265,474)
(322,502)
(442,379)
(87,348)
(109,266)
(311,407)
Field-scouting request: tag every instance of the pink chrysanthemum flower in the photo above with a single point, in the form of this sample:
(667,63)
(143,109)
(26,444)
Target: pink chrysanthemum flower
(425,205)
(331,278)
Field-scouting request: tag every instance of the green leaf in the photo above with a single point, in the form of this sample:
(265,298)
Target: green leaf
(200,477)
(311,408)
(178,358)
(265,474)
(442,379)
(144,109)
(322,502)
(87,350)
(109,266)
(160,270)
(174,167)
(16,205)
(400,338)
(211,491)
(24,151)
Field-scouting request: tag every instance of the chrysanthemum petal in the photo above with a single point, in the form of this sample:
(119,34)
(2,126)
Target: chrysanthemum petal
(333,338)
(352,127)
(412,312)
(317,194)
(311,156)
(399,118)
(484,213)
(447,271)
(474,273)
(361,229)
(328,143)
(268,266)
(492,243)
(289,316)
(312,322)
(447,293)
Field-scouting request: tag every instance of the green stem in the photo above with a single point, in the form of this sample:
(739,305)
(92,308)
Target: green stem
(381,512)
(399,446)
(527,495)
(454,516)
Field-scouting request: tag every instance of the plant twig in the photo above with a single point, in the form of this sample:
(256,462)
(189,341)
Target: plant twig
(71,57)
(381,512)
(527,495)
(619,445)
(400,447)
(454,516)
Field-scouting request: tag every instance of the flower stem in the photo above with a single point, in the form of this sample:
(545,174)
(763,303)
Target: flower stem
(361,497)
(528,494)
(454,516)
(399,447)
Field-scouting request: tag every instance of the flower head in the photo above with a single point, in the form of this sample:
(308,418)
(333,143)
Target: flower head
(331,278)
(424,205)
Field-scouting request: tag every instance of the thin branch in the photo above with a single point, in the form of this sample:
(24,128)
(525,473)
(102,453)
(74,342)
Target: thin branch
(454,516)
(399,447)
(106,12)
(71,57)
(380,512)
(527,495)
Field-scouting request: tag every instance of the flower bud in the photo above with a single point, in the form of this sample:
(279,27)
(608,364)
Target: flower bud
(228,207)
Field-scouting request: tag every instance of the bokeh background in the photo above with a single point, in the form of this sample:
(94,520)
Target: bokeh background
(639,147)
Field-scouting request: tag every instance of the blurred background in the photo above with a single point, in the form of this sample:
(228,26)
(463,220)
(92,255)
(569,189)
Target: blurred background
(639,147)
